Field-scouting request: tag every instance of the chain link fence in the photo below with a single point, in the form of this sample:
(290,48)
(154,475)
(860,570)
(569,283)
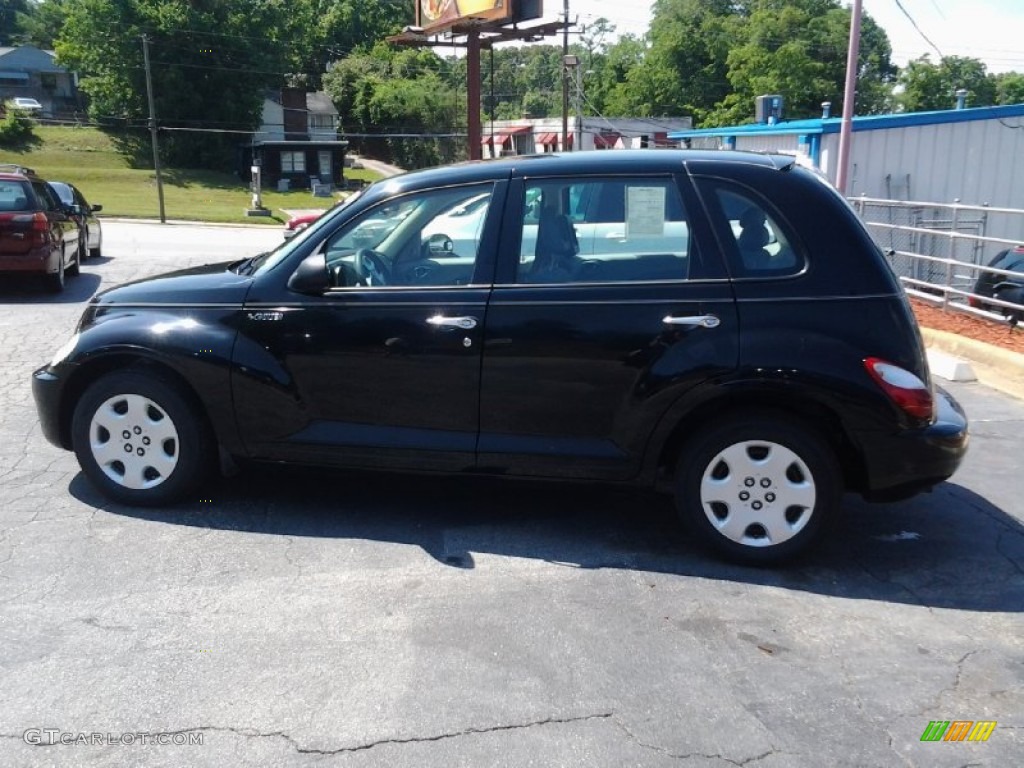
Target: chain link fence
(939,251)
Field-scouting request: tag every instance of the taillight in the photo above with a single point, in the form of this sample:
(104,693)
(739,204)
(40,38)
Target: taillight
(907,392)
(40,223)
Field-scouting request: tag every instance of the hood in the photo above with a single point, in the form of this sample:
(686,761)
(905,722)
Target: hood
(208,284)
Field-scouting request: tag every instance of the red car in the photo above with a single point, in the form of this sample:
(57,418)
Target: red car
(296,224)
(37,232)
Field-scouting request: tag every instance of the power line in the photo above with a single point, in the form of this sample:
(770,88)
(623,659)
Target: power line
(914,24)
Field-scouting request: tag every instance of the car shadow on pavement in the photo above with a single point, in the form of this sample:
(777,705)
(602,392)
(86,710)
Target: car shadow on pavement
(29,289)
(948,549)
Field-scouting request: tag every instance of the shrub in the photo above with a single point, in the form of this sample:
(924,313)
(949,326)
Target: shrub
(15,129)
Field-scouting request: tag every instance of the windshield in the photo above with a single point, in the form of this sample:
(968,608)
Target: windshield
(270,259)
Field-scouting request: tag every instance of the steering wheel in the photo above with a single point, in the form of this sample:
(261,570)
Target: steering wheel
(372,266)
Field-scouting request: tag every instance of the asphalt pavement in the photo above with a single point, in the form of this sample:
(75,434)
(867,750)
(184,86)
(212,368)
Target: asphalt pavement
(305,618)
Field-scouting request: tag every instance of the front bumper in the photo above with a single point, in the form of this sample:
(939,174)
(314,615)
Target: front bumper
(47,388)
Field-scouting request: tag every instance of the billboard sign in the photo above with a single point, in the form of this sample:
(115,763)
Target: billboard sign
(437,15)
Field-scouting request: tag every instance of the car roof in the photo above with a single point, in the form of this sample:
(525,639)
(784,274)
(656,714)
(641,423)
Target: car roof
(582,163)
(15,172)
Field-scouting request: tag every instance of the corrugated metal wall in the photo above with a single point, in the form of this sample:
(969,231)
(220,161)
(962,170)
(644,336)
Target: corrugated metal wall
(981,161)
(975,162)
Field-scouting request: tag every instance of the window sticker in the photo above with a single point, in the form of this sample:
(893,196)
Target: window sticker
(645,211)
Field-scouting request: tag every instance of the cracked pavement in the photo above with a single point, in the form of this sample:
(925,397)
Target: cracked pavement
(310,618)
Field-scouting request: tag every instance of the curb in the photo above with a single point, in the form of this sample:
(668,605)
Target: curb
(186,222)
(995,367)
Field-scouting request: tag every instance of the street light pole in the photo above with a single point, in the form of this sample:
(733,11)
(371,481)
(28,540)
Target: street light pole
(849,97)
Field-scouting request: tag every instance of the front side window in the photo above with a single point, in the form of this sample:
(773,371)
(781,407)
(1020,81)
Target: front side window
(422,239)
(603,230)
(293,162)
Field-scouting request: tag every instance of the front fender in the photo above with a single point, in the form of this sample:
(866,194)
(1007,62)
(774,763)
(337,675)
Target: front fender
(194,350)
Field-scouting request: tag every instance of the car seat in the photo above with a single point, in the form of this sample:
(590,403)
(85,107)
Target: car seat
(753,239)
(555,254)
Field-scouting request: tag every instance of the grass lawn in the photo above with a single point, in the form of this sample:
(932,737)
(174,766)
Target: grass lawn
(86,158)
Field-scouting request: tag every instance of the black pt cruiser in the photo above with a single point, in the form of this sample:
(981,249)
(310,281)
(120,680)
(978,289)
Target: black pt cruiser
(714,323)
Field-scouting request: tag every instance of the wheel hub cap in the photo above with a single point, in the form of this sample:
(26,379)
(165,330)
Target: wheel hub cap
(134,441)
(758,493)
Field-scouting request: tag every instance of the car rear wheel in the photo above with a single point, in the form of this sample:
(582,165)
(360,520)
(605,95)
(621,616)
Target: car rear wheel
(137,439)
(758,488)
(55,282)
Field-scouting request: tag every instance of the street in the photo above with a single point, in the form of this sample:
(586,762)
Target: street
(297,617)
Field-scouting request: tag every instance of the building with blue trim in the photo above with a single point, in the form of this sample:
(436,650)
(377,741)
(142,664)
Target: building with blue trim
(972,155)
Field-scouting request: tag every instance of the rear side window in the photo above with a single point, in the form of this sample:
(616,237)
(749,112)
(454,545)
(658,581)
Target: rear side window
(603,230)
(47,197)
(760,243)
(15,196)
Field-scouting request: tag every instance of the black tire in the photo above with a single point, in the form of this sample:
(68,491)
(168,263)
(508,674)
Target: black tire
(55,282)
(83,245)
(75,268)
(95,253)
(758,488)
(167,450)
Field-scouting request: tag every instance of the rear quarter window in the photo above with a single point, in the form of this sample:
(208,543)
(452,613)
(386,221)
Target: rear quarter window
(757,241)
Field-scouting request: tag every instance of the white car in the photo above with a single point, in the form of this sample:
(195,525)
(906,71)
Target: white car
(25,104)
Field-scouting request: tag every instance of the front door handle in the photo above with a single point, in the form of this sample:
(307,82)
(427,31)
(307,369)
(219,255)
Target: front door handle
(465,322)
(693,321)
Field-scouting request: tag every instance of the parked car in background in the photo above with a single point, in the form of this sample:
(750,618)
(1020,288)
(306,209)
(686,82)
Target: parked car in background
(299,222)
(25,104)
(38,234)
(85,215)
(725,329)
(996,286)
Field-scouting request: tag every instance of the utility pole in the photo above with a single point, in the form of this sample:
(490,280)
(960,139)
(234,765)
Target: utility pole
(849,97)
(565,77)
(473,94)
(152,129)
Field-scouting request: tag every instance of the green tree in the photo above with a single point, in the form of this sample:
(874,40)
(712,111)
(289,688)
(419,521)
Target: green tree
(927,86)
(208,70)
(10,22)
(711,58)
(323,31)
(1009,87)
(384,92)
(41,22)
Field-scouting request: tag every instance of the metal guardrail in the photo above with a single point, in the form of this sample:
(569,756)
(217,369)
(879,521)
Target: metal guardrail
(939,250)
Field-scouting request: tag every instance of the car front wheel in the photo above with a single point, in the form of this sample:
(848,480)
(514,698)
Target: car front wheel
(758,488)
(137,439)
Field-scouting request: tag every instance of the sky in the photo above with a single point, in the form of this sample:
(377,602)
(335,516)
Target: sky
(990,30)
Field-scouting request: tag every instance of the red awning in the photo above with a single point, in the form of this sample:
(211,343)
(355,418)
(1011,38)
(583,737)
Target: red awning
(499,138)
(547,138)
(606,140)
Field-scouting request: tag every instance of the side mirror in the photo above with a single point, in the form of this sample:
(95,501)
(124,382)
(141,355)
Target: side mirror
(311,276)
(97,208)
(440,244)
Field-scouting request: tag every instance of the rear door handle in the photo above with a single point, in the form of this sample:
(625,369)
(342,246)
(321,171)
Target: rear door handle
(693,321)
(465,322)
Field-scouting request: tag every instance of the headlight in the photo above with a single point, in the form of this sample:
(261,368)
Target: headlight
(61,354)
